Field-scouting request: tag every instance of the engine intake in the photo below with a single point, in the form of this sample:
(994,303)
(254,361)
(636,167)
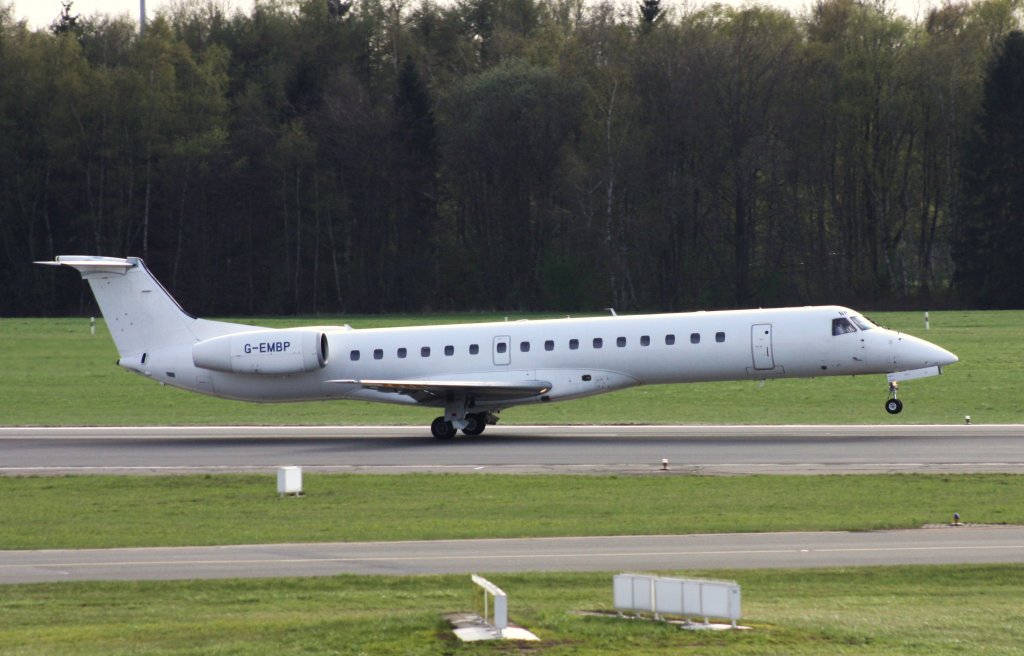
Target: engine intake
(287,351)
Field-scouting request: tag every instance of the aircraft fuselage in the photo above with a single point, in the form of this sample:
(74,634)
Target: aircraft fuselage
(579,357)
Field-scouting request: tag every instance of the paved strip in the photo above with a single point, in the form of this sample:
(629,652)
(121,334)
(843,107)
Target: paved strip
(516,449)
(952,545)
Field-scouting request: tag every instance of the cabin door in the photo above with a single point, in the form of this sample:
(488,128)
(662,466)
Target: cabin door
(761,346)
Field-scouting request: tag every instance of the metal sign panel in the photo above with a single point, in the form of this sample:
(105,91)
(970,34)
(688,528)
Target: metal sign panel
(671,596)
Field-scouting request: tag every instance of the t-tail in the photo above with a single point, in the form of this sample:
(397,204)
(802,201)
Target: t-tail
(141,315)
(156,338)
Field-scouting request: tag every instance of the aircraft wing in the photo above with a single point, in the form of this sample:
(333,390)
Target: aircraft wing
(429,390)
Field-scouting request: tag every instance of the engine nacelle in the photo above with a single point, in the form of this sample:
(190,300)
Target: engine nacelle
(287,351)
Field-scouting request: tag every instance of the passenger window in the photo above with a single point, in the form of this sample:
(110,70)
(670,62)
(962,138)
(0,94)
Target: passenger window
(842,326)
(598,342)
(719,337)
(670,340)
(524,347)
(549,345)
(695,338)
(425,352)
(378,354)
(645,340)
(574,344)
(449,350)
(502,347)
(620,342)
(402,352)
(474,349)
(354,355)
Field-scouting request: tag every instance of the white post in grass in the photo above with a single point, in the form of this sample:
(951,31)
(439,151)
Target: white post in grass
(289,481)
(500,602)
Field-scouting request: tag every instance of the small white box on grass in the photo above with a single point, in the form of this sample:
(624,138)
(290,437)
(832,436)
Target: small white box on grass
(289,480)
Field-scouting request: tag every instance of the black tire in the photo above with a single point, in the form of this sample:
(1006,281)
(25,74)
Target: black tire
(442,430)
(477,424)
(893,406)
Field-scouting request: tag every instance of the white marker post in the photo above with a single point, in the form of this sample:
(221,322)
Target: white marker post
(500,602)
(289,481)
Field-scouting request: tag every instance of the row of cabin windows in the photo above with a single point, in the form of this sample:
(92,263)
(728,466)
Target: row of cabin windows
(549,345)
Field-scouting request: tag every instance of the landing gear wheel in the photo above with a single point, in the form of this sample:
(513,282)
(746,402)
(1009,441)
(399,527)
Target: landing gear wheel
(442,430)
(893,406)
(477,424)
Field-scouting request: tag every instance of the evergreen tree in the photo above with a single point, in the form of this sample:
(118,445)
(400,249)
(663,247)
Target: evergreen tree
(414,178)
(66,23)
(338,8)
(650,11)
(990,267)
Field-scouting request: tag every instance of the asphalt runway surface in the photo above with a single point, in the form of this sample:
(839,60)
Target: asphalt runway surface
(948,545)
(516,449)
(635,450)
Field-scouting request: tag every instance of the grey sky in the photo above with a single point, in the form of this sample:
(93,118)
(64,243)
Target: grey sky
(41,13)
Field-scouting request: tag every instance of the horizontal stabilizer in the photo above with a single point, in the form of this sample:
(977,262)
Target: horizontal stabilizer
(92,263)
(430,389)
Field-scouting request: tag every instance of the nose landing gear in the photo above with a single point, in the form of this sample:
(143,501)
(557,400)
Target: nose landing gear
(893,406)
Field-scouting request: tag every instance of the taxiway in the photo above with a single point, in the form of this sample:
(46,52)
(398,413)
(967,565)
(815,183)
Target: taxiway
(945,545)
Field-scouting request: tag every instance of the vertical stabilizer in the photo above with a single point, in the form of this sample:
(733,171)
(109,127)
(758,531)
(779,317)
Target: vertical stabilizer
(139,312)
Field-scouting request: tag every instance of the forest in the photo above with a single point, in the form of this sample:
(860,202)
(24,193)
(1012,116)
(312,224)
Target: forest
(368,156)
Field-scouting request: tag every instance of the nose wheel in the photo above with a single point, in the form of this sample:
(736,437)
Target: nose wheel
(893,406)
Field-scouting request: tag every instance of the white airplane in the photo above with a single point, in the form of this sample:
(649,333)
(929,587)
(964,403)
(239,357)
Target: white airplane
(473,371)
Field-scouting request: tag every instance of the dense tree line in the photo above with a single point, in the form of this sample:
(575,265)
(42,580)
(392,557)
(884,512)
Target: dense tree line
(399,155)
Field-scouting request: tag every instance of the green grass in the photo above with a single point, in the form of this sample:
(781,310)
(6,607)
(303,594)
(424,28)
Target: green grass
(56,374)
(64,512)
(894,610)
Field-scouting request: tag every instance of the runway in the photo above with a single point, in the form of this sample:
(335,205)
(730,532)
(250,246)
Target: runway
(951,545)
(516,449)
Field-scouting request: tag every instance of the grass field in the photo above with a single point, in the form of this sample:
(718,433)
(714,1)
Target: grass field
(55,373)
(55,512)
(897,610)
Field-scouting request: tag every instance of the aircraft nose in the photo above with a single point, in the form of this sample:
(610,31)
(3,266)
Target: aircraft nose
(915,353)
(945,357)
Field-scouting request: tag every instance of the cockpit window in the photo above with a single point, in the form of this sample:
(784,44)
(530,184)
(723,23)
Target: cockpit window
(842,326)
(862,323)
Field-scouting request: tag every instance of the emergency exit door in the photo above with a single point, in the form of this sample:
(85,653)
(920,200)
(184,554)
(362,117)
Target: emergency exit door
(502,350)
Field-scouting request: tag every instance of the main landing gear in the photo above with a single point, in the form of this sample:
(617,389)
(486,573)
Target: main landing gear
(457,417)
(893,406)
(475,425)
